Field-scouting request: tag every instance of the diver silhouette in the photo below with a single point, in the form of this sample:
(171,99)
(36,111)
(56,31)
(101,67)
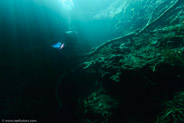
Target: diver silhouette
(69,60)
(67,49)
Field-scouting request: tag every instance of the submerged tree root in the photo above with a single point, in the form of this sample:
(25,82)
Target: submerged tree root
(132,34)
(109,42)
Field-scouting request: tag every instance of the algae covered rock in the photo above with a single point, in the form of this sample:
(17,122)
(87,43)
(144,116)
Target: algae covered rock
(98,107)
(173,110)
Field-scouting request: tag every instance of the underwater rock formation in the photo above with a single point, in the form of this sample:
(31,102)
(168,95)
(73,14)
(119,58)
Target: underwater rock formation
(135,73)
(133,77)
(144,68)
(173,111)
(98,107)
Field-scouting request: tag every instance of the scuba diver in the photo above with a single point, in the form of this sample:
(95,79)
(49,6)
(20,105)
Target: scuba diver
(67,50)
(69,38)
(69,59)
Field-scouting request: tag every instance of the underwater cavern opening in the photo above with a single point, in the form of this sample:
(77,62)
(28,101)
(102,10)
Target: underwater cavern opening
(92,61)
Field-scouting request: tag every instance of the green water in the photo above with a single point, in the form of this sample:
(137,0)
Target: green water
(40,81)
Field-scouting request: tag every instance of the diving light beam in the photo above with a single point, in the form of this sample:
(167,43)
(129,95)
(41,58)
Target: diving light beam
(58,45)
